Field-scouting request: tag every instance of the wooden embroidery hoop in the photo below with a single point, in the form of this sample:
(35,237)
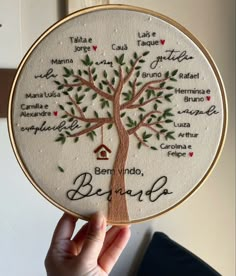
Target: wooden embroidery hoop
(134,9)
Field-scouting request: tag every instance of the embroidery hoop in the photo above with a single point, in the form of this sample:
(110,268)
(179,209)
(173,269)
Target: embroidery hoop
(134,9)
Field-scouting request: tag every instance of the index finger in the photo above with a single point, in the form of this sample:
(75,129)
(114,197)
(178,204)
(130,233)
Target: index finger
(65,228)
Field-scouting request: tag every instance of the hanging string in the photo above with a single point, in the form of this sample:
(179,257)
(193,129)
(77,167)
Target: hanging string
(102,133)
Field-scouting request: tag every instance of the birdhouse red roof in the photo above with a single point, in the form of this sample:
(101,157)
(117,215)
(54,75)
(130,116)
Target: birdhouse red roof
(102,146)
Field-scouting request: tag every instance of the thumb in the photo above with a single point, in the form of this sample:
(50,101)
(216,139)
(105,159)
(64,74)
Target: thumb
(95,237)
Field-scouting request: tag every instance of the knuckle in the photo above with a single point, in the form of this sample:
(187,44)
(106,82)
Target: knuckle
(94,237)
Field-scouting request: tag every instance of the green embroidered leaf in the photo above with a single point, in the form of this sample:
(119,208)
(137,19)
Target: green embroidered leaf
(76,139)
(169,135)
(60,87)
(60,169)
(146,136)
(121,59)
(162,84)
(163,130)
(94,96)
(169,87)
(100,86)
(159,94)
(130,120)
(174,72)
(167,97)
(108,89)
(67,71)
(87,59)
(145,53)
(135,55)
(141,100)
(167,74)
(79,98)
(58,139)
(96,114)
(84,109)
(104,74)
(61,107)
(116,73)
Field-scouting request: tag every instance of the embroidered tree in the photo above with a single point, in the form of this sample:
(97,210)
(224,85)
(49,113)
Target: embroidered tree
(118,96)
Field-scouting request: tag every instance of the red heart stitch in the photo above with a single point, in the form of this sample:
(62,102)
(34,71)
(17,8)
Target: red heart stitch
(191,154)
(163,41)
(208,98)
(55,113)
(94,47)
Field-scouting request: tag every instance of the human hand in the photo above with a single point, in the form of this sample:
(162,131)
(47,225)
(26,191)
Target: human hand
(92,251)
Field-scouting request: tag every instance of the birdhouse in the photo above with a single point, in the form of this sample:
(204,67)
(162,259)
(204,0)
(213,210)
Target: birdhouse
(102,152)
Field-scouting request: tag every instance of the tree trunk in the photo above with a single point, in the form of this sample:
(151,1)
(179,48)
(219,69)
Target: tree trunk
(117,208)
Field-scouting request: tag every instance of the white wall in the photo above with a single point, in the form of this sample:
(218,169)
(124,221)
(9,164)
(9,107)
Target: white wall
(205,223)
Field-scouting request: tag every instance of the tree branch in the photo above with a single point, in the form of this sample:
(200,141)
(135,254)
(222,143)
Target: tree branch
(111,86)
(90,85)
(129,75)
(141,91)
(87,130)
(120,84)
(151,128)
(90,120)
(90,76)
(143,104)
(76,106)
(140,140)
(133,88)
(141,123)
